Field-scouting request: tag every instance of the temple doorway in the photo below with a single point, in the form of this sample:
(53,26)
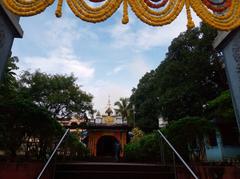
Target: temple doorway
(105,146)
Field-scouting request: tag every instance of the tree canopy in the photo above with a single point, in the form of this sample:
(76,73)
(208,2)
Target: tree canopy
(189,76)
(58,93)
(124,108)
(221,107)
(187,135)
(20,120)
(8,84)
(28,110)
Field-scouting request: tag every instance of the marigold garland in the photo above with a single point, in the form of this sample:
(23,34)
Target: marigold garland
(227,20)
(190,23)
(125,18)
(223,15)
(58,11)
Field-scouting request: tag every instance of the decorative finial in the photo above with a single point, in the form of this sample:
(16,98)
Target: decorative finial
(109,110)
(109,102)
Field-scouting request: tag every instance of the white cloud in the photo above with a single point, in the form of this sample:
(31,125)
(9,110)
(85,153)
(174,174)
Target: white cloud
(147,37)
(61,61)
(138,67)
(102,89)
(66,32)
(60,57)
(116,70)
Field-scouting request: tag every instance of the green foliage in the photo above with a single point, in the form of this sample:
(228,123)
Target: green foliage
(221,107)
(8,83)
(28,109)
(146,103)
(124,108)
(187,135)
(20,120)
(73,149)
(147,148)
(137,134)
(190,75)
(57,93)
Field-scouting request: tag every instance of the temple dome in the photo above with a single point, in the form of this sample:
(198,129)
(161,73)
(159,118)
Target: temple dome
(109,111)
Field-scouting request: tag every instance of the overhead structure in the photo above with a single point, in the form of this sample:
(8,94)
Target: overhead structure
(221,14)
(9,29)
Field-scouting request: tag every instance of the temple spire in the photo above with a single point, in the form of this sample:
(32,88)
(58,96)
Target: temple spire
(109,110)
(109,102)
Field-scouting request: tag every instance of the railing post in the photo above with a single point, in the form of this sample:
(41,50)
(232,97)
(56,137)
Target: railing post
(162,151)
(50,158)
(179,156)
(174,165)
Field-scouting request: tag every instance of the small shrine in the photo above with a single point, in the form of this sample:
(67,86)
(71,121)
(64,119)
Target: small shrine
(105,131)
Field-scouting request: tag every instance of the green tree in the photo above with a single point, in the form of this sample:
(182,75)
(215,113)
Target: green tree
(123,108)
(146,148)
(190,75)
(221,107)
(145,100)
(27,124)
(8,85)
(21,120)
(58,93)
(137,134)
(187,136)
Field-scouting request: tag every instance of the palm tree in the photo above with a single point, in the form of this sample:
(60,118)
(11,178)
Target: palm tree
(123,108)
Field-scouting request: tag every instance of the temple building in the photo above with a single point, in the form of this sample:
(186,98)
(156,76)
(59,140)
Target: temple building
(106,130)
(100,133)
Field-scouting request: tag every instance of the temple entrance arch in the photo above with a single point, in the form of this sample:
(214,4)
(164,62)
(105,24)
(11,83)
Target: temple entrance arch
(106,145)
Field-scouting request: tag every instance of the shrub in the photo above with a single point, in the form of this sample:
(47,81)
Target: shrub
(145,149)
(73,149)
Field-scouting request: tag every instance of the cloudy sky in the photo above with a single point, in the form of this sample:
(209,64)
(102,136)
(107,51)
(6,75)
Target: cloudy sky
(108,58)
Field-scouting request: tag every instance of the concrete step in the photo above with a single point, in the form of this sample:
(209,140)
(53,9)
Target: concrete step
(107,170)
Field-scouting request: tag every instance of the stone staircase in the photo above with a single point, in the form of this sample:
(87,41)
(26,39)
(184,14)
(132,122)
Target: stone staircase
(111,170)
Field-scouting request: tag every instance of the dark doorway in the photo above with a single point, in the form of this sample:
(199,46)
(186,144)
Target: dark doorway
(105,146)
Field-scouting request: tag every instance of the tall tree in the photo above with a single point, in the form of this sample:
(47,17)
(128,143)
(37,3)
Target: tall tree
(187,135)
(123,108)
(22,120)
(58,93)
(146,104)
(25,123)
(188,78)
(190,75)
(8,84)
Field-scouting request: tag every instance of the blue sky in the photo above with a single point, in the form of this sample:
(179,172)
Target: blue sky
(108,58)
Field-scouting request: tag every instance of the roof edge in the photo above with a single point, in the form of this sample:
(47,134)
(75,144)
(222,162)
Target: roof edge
(14,20)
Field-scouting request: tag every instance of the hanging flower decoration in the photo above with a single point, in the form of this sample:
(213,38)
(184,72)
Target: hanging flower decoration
(221,14)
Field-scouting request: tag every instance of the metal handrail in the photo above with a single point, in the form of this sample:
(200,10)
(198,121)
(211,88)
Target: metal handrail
(179,156)
(50,158)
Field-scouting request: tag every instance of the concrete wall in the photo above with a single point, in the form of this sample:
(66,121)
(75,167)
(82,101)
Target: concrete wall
(210,172)
(229,44)
(221,152)
(213,154)
(231,152)
(9,29)
(231,53)
(6,39)
(27,170)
